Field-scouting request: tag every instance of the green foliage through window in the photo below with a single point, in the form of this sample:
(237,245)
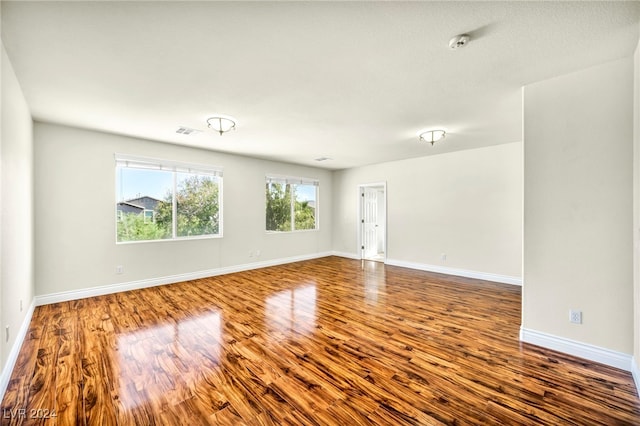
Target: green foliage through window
(134,227)
(164,204)
(290,206)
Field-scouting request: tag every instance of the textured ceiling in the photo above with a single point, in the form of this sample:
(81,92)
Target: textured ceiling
(353,81)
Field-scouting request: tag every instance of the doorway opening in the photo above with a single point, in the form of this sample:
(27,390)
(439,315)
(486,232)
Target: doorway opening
(373,221)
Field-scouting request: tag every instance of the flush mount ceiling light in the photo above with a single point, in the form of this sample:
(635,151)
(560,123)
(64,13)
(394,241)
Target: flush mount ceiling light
(432,136)
(221,124)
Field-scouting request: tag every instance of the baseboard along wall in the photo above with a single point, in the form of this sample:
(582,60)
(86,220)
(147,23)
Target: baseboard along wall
(506,279)
(171,279)
(15,350)
(635,372)
(582,350)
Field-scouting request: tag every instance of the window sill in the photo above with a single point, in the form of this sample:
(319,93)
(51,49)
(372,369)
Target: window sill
(166,240)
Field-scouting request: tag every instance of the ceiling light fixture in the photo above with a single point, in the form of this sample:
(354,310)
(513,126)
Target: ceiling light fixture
(221,124)
(432,136)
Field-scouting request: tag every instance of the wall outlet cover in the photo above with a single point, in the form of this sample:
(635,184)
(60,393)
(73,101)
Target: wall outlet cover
(575,317)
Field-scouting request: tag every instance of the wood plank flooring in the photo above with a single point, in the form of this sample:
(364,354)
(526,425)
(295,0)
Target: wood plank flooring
(330,341)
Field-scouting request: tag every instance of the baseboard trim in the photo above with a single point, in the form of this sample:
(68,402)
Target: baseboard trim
(582,350)
(505,279)
(345,254)
(635,372)
(66,296)
(15,350)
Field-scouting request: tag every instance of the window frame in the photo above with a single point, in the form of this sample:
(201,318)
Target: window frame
(175,167)
(295,180)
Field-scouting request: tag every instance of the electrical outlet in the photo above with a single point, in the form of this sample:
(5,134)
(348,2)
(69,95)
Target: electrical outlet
(575,317)
(443,257)
(257,253)
(7,334)
(20,305)
(119,269)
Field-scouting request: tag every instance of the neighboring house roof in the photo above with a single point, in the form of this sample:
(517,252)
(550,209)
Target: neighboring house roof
(146,202)
(126,203)
(127,207)
(139,204)
(143,197)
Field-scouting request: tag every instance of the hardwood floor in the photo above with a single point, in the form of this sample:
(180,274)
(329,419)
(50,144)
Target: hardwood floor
(322,342)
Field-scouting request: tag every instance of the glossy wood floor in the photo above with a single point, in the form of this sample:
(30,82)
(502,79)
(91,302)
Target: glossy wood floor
(324,342)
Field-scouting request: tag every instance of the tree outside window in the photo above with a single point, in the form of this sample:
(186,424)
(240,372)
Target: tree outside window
(158,204)
(291,204)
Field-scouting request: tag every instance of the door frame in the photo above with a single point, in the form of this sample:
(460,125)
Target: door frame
(359,224)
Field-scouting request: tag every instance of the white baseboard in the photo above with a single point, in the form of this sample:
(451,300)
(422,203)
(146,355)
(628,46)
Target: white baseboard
(152,282)
(506,279)
(345,254)
(15,350)
(635,372)
(582,350)
(132,285)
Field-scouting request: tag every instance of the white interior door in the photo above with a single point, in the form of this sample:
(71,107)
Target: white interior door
(372,214)
(370,222)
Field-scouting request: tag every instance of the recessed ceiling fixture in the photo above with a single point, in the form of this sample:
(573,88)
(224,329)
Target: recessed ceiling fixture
(221,124)
(459,41)
(432,136)
(187,131)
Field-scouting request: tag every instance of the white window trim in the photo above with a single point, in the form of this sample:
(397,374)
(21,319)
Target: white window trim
(149,163)
(297,180)
(291,179)
(167,165)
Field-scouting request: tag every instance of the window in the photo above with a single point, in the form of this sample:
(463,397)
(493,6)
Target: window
(163,200)
(149,216)
(292,204)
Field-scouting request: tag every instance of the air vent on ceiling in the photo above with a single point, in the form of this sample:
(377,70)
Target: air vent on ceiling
(322,159)
(461,40)
(187,131)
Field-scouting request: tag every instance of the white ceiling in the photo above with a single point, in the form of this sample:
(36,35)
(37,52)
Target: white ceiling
(353,81)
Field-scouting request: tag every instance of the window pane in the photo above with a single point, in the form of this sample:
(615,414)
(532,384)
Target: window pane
(197,198)
(305,207)
(278,206)
(144,204)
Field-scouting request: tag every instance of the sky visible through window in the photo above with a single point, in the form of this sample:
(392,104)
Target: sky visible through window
(153,183)
(306,193)
(141,182)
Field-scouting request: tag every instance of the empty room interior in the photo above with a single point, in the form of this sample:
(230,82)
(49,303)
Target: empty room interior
(310,213)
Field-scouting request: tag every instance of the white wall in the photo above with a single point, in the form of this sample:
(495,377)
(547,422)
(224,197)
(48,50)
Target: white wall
(16,209)
(578,150)
(636,212)
(75,222)
(466,204)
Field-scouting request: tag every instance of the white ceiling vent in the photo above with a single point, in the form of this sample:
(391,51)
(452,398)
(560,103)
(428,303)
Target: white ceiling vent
(459,41)
(187,131)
